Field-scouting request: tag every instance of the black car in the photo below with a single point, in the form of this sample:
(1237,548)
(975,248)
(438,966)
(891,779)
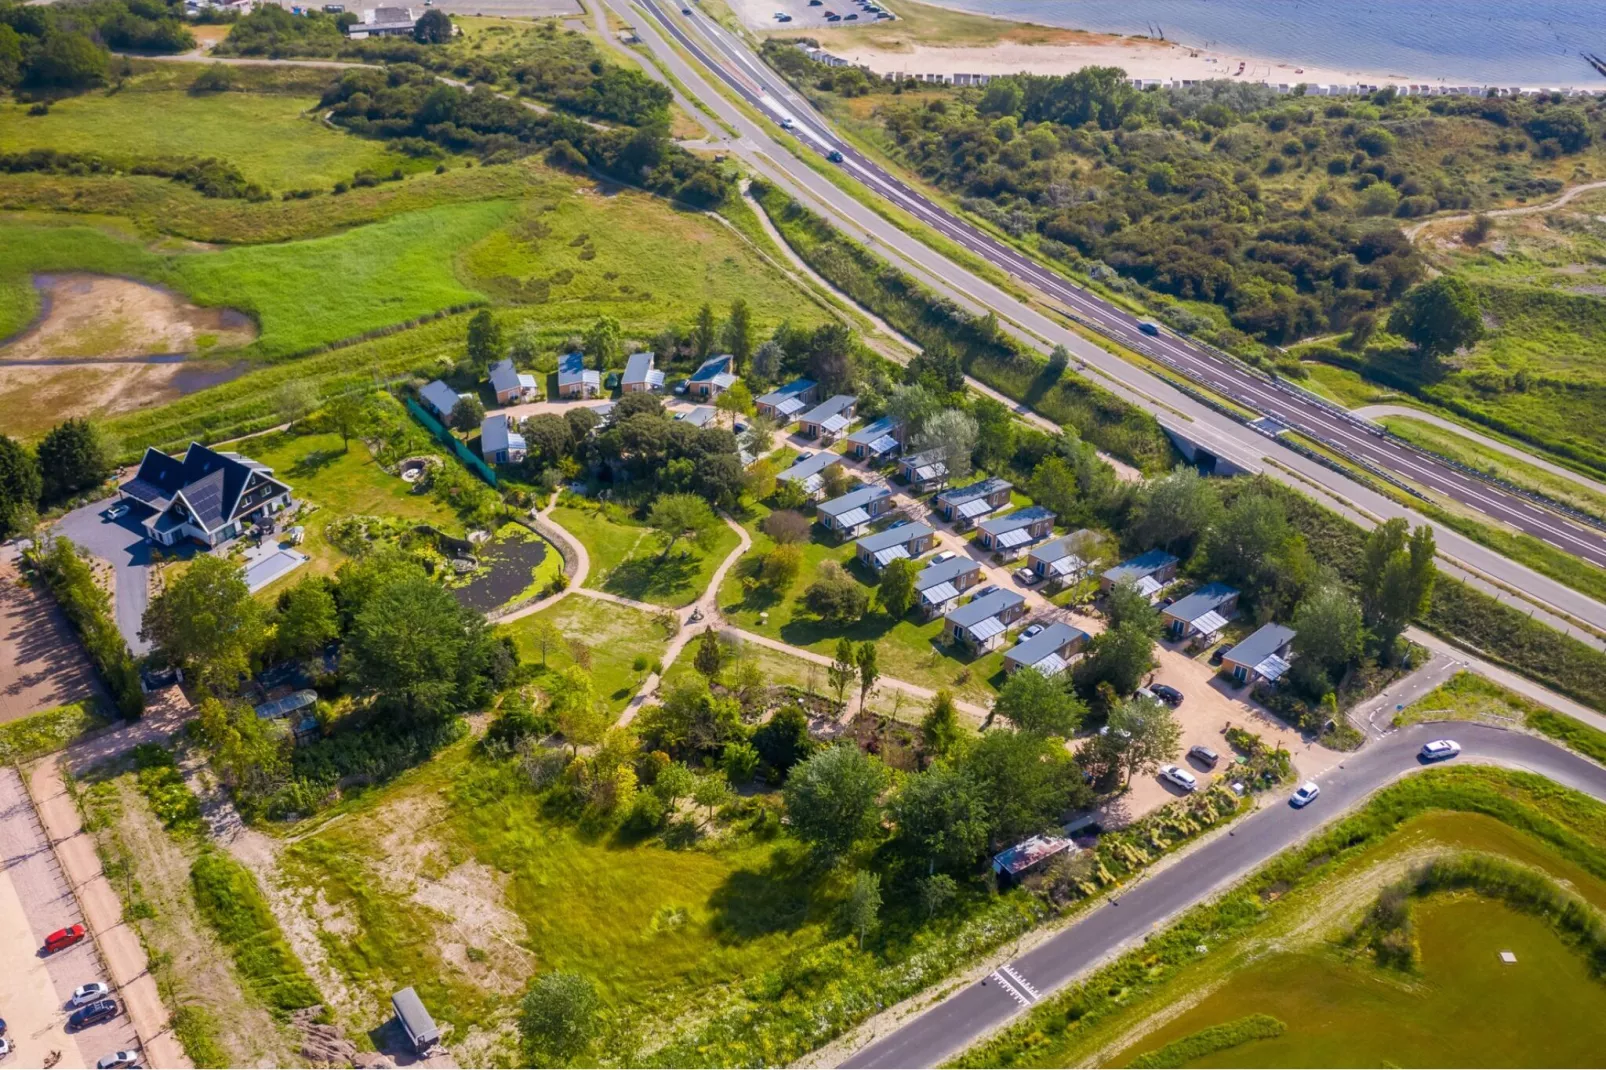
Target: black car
(101,1011)
(1167,694)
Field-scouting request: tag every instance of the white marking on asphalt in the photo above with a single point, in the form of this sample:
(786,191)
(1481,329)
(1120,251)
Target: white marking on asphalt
(1015,993)
(1015,976)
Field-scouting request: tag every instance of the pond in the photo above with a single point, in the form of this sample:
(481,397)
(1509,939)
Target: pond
(516,564)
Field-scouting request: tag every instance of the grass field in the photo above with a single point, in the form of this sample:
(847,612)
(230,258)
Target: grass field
(627,557)
(624,643)
(1277,946)
(906,648)
(275,140)
(1346,387)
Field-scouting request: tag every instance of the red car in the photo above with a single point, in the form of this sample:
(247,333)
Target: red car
(64,938)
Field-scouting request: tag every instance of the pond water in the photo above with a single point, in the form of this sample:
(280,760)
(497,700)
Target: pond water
(507,568)
(1464,1008)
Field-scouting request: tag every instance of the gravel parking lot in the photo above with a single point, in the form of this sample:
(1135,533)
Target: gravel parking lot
(34,902)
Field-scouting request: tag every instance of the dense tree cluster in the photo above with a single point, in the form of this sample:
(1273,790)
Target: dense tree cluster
(64,46)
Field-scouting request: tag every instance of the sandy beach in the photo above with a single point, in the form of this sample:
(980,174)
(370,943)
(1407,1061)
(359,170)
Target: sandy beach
(1139,57)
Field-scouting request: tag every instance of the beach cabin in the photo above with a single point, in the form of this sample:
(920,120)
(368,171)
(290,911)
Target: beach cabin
(440,399)
(878,439)
(926,470)
(1013,532)
(850,514)
(1049,651)
(415,1021)
(641,376)
(712,378)
(963,506)
(979,625)
(700,416)
(1201,614)
(827,420)
(1148,572)
(878,551)
(500,441)
(1263,657)
(939,585)
(808,471)
(1013,865)
(1056,561)
(575,380)
(512,386)
(785,403)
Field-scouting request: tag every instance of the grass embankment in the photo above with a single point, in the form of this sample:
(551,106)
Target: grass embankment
(622,644)
(1209,1041)
(50,730)
(1469,697)
(228,898)
(907,648)
(1266,950)
(627,557)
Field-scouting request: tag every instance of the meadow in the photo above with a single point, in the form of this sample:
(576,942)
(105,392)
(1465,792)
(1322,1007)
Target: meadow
(627,557)
(621,643)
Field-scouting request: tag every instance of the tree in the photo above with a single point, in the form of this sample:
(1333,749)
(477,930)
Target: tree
(785,526)
(581,719)
(831,798)
(784,739)
(712,792)
(1125,604)
(954,432)
(834,481)
(1029,782)
(781,567)
(1034,703)
(560,1016)
(710,657)
(434,27)
(936,892)
(682,516)
(10,57)
(602,343)
(703,332)
(691,721)
(1054,486)
(1059,358)
(1397,574)
(1439,317)
(869,670)
(73,456)
(416,647)
(1120,657)
(758,440)
(207,622)
(737,401)
(308,619)
(766,363)
(896,592)
(1176,512)
(467,414)
(350,414)
(939,729)
(1148,735)
(739,761)
(20,485)
(941,817)
(545,635)
(834,596)
(863,908)
(912,405)
(844,669)
(484,339)
(525,345)
(1252,534)
(995,432)
(738,334)
(1328,633)
(68,59)
(831,360)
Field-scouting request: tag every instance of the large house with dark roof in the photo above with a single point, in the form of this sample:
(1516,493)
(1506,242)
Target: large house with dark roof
(208,496)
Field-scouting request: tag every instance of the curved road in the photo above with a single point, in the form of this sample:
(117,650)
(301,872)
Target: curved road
(978,1009)
(764,90)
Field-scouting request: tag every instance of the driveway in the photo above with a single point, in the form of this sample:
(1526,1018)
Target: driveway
(120,543)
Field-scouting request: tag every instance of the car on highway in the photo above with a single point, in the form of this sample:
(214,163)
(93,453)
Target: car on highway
(1305,794)
(1167,694)
(685,11)
(118,1060)
(91,992)
(1203,755)
(1440,750)
(103,1011)
(834,156)
(1149,327)
(1180,777)
(946,555)
(63,938)
(1026,576)
(118,511)
(787,124)
(1033,631)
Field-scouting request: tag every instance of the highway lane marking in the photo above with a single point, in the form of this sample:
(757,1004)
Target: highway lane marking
(1016,994)
(1015,976)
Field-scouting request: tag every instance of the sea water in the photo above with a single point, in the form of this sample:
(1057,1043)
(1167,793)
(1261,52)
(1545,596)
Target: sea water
(1486,42)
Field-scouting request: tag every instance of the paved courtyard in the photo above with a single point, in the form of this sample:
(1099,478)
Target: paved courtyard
(121,543)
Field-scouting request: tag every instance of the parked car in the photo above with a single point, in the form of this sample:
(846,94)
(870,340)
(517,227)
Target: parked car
(118,511)
(1305,794)
(1440,750)
(5,1047)
(1204,755)
(103,1011)
(988,589)
(1217,654)
(1026,576)
(1167,694)
(946,555)
(1033,631)
(816,3)
(1150,328)
(1180,777)
(853,17)
(680,387)
(786,18)
(94,990)
(63,938)
(118,1060)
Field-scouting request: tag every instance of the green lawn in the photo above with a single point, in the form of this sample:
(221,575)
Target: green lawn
(619,638)
(1346,387)
(50,730)
(907,648)
(627,557)
(277,141)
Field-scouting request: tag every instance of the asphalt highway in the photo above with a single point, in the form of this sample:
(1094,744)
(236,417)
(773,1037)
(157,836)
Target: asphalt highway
(765,90)
(976,1010)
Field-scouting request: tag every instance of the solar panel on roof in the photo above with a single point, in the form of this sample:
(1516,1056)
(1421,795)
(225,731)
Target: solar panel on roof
(1018,537)
(974,508)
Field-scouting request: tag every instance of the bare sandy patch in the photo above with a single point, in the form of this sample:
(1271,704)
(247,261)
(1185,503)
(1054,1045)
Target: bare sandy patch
(102,317)
(36,396)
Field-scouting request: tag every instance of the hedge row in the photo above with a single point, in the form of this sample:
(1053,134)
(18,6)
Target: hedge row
(90,612)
